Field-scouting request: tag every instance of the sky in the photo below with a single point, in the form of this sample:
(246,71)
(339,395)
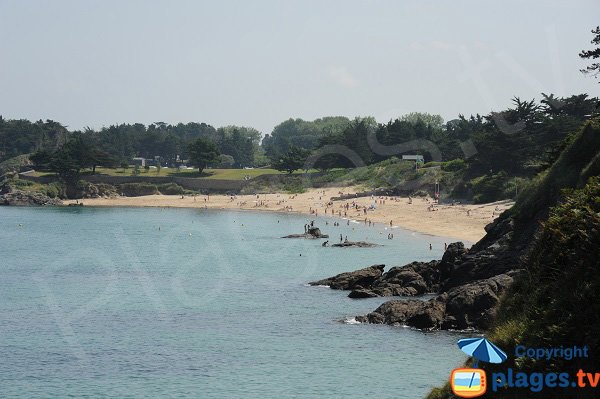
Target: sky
(258,63)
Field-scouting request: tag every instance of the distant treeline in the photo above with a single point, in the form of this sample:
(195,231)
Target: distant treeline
(520,140)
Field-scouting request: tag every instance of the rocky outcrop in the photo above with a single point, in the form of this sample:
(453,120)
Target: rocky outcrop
(473,305)
(468,284)
(27,198)
(312,232)
(357,244)
(467,306)
(416,278)
(415,313)
(353,280)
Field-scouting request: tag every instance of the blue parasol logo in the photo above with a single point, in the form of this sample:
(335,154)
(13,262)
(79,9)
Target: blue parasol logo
(472,382)
(481,350)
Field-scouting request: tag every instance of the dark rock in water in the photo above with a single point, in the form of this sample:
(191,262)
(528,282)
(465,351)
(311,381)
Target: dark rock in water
(359,244)
(415,313)
(27,198)
(469,283)
(353,280)
(362,293)
(468,306)
(416,278)
(313,232)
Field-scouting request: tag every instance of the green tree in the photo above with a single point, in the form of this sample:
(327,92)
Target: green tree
(226,161)
(301,133)
(203,152)
(292,160)
(41,159)
(593,54)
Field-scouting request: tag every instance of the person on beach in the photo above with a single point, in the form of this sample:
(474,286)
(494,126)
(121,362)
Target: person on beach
(325,244)
(430,247)
(346,239)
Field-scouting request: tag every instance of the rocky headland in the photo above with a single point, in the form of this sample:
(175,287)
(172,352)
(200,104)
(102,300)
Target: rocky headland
(467,284)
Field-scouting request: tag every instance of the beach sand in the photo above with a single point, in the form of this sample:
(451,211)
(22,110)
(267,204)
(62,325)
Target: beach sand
(462,222)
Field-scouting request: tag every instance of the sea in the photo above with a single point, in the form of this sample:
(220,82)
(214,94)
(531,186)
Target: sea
(189,303)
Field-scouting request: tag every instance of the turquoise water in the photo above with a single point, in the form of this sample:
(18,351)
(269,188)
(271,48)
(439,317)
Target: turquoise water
(101,303)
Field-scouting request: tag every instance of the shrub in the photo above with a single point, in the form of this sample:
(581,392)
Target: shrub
(488,188)
(138,189)
(171,189)
(454,166)
(18,183)
(55,190)
(294,186)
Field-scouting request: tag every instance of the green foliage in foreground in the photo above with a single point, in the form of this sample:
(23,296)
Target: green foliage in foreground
(556,302)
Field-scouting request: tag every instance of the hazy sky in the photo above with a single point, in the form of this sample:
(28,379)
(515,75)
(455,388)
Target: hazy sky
(257,63)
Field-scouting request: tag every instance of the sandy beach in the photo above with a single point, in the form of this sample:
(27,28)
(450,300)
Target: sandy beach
(459,221)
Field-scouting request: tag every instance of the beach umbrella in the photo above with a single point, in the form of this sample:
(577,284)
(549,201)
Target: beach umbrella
(482,350)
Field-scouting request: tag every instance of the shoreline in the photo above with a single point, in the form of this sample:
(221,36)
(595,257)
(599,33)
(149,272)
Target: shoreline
(463,222)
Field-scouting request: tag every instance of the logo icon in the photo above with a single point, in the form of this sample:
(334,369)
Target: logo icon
(471,382)
(468,383)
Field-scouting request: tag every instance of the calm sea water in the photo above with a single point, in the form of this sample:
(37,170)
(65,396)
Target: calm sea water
(103,303)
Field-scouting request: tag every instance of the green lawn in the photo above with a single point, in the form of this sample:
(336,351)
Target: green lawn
(225,174)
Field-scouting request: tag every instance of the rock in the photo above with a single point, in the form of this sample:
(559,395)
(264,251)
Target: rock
(353,280)
(362,293)
(313,232)
(470,305)
(415,313)
(470,283)
(405,280)
(473,305)
(359,244)
(416,278)
(27,198)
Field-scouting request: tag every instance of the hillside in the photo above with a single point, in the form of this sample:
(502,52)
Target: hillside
(554,301)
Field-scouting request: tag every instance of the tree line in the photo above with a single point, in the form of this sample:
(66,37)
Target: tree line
(520,140)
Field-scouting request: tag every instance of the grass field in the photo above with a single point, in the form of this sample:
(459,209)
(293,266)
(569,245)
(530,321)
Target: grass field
(225,174)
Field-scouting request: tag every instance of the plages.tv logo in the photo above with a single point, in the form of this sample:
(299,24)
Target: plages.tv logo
(472,382)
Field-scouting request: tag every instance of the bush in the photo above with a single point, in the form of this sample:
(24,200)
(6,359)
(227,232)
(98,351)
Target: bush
(226,161)
(294,186)
(18,183)
(171,189)
(55,190)
(86,189)
(488,188)
(14,165)
(454,166)
(138,189)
